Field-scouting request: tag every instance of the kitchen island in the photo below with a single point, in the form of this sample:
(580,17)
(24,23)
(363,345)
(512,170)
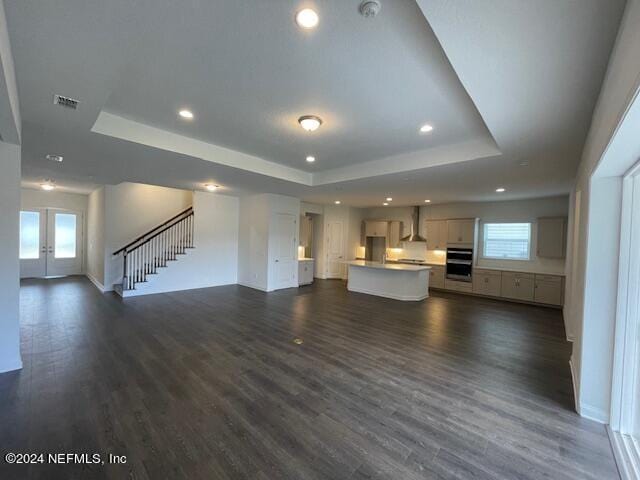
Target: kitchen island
(390,280)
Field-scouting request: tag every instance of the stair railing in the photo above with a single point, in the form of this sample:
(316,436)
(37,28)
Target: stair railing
(155,248)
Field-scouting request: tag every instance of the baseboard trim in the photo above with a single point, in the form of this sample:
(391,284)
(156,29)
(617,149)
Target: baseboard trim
(626,453)
(406,298)
(255,287)
(575,389)
(97,284)
(594,413)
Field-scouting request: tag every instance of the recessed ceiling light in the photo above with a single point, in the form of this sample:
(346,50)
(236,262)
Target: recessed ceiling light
(389,199)
(307,18)
(311,159)
(427,201)
(188,114)
(385,204)
(211,187)
(500,190)
(47,186)
(337,202)
(426,128)
(310,122)
(54,158)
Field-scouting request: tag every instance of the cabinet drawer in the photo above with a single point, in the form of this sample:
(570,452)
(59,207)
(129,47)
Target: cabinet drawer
(458,286)
(487,284)
(557,279)
(481,271)
(436,277)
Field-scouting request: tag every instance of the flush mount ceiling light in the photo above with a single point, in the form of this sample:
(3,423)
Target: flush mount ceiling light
(184,113)
(500,190)
(389,199)
(54,158)
(369,8)
(426,128)
(307,18)
(47,186)
(211,187)
(310,122)
(337,202)
(311,159)
(427,201)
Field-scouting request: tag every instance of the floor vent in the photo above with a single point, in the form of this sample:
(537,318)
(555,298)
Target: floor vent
(66,102)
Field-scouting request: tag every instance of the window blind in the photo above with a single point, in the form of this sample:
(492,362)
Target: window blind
(507,240)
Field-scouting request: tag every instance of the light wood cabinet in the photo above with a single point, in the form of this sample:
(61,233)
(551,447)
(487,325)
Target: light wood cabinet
(305,272)
(460,231)
(518,286)
(487,282)
(436,276)
(436,234)
(458,286)
(376,228)
(552,237)
(394,230)
(548,289)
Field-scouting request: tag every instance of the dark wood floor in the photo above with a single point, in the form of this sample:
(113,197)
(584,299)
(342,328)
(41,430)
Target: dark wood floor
(209,384)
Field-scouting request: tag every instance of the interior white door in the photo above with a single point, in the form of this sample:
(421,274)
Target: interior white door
(64,242)
(286,262)
(33,246)
(335,250)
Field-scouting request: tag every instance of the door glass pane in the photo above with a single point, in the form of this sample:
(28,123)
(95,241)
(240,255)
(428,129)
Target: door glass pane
(29,235)
(65,235)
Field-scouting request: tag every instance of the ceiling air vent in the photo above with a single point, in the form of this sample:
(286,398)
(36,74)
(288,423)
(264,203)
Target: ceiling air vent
(66,102)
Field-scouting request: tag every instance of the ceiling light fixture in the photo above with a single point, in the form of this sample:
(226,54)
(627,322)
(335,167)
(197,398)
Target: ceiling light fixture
(427,201)
(337,202)
(389,199)
(47,186)
(311,159)
(188,114)
(54,158)
(426,128)
(385,204)
(500,190)
(310,122)
(211,187)
(307,18)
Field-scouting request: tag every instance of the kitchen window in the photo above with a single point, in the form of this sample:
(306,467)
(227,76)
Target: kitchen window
(506,241)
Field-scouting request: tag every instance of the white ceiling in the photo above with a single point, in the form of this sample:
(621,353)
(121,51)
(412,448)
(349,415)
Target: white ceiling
(512,83)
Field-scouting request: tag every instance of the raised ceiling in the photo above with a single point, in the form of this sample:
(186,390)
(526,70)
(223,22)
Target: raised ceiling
(503,82)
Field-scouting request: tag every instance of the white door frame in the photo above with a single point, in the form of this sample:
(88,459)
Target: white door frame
(625,394)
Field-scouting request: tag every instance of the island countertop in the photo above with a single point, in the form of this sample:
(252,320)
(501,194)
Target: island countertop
(388,266)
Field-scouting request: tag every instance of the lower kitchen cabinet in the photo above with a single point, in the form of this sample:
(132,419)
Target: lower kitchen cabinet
(518,286)
(487,282)
(458,286)
(305,271)
(436,276)
(548,289)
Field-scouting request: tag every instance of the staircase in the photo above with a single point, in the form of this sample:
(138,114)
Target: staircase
(154,249)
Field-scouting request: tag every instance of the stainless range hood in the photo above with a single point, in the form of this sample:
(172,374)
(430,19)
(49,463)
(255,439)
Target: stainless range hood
(415,228)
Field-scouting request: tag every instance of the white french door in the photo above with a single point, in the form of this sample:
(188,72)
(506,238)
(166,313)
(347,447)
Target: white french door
(50,242)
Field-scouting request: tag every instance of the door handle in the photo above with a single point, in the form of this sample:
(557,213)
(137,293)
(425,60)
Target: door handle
(277,260)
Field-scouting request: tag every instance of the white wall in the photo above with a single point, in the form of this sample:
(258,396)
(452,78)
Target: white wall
(506,211)
(95,237)
(131,209)
(214,259)
(257,242)
(593,312)
(9,257)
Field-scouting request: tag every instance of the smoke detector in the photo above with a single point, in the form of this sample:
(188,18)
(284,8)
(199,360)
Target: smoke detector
(370,8)
(66,102)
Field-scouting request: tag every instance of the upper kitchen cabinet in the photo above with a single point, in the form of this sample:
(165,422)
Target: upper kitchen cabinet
(394,234)
(461,231)
(376,228)
(552,237)
(436,234)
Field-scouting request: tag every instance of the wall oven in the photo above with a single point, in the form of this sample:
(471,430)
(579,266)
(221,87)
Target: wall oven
(459,264)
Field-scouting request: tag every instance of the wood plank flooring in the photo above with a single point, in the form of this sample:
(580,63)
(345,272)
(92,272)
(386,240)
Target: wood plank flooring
(209,384)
